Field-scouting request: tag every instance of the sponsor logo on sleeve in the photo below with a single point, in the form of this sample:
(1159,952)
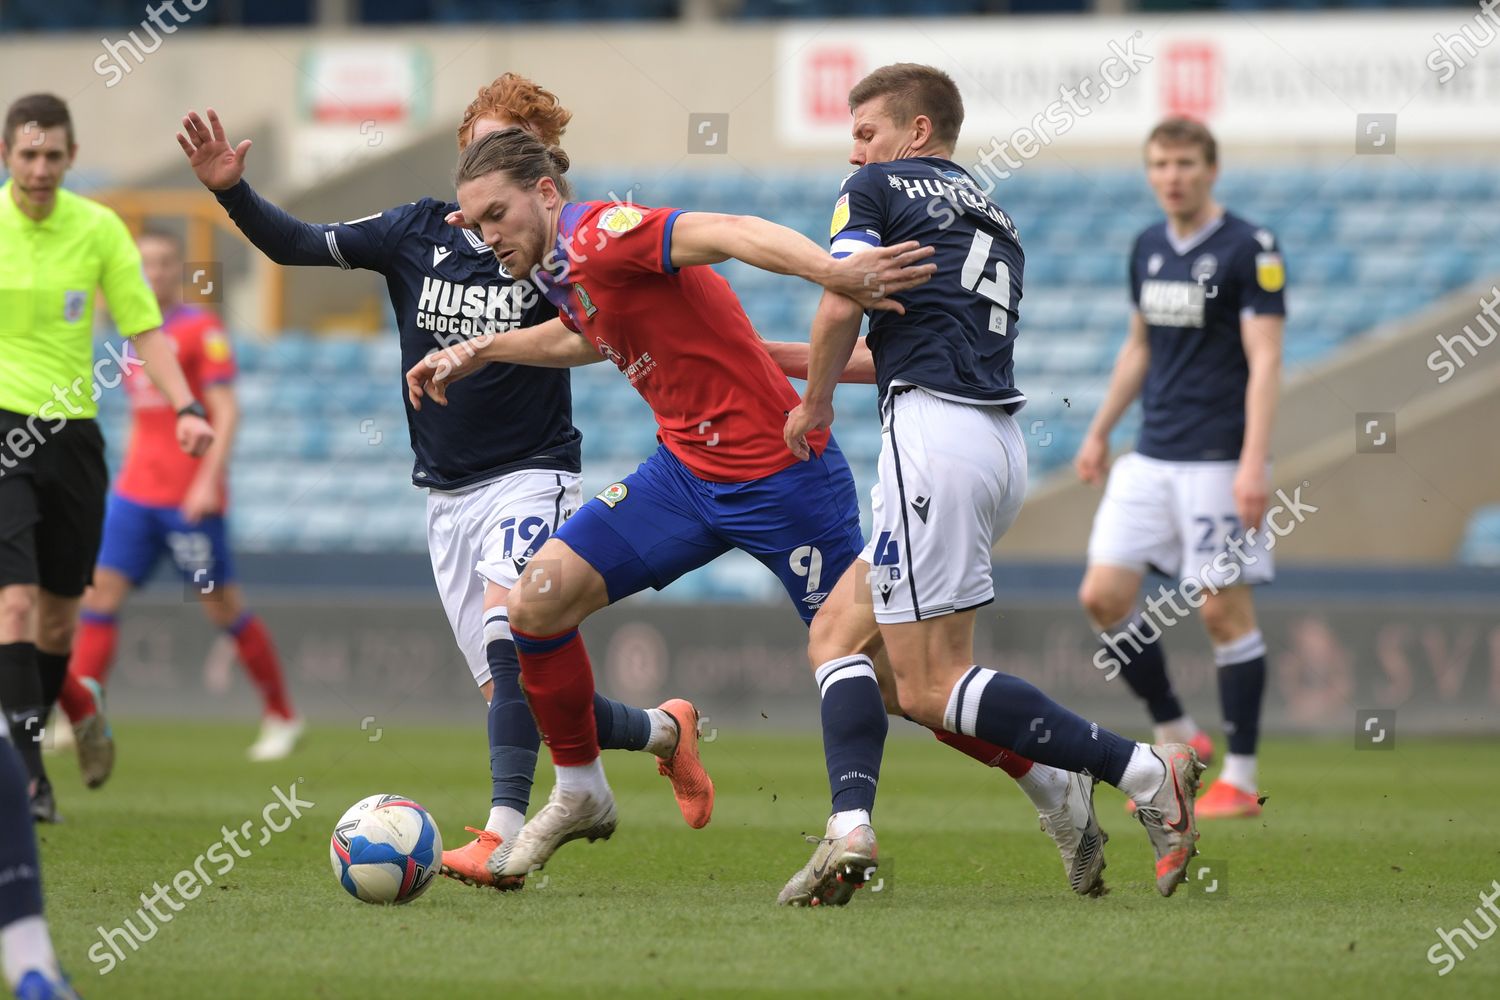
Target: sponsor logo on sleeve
(1270,272)
(620,219)
(216,346)
(840,216)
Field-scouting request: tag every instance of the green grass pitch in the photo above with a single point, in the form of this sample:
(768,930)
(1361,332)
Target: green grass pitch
(1338,890)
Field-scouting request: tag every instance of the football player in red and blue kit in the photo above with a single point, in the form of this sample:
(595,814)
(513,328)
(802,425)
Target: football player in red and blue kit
(630,286)
(166,502)
(496,489)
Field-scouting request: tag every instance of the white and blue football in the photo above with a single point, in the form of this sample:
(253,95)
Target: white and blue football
(386,849)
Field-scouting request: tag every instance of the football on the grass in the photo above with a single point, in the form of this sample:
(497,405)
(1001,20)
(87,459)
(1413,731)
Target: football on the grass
(386,849)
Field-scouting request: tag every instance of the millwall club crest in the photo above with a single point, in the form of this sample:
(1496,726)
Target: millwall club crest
(1205,267)
(74,304)
(1154,264)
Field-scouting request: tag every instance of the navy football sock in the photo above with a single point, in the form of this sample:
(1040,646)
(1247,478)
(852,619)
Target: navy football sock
(1012,713)
(854,729)
(514,740)
(621,726)
(1242,685)
(20,878)
(21,694)
(1144,667)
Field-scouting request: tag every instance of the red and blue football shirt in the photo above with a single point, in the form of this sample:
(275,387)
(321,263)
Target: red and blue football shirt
(679,335)
(157,472)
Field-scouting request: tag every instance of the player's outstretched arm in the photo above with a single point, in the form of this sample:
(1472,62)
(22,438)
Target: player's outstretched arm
(1261,336)
(1092,460)
(282,237)
(835,331)
(546,345)
(869,278)
(794,358)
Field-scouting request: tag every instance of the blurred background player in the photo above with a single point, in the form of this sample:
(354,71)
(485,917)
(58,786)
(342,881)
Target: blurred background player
(56,248)
(168,503)
(26,955)
(1204,355)
(952,473)
(497,490)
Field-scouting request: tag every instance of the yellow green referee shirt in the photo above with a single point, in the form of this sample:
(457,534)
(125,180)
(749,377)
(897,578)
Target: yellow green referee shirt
(49,271)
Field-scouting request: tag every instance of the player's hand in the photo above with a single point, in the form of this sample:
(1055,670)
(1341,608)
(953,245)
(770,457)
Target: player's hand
(804,419)
(1252,491)
(218,165)
(871,277)
(203,499)
(456,218)
(440,369)
(194,434)
(1092,461)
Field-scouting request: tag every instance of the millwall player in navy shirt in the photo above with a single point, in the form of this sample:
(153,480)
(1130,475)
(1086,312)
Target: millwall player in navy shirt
(952,469)
(1204,355)
(497,489)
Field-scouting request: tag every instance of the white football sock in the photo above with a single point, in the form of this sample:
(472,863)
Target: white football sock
(1045,786)
(1143,775)
(505,821)
(1239,771)
(842,823)
(1177,731)
(584,778)
(25,945)
(664,735)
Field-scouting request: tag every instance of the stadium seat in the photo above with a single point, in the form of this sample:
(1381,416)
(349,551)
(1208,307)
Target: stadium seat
(1481,542)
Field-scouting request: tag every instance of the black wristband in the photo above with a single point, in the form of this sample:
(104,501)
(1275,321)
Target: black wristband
(195,408)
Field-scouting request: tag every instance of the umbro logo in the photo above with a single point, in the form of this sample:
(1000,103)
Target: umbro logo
(439,254)
(921,506)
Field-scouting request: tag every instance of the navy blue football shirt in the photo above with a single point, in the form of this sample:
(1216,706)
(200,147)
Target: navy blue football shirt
(957,335)
(445,285)
(1192,295)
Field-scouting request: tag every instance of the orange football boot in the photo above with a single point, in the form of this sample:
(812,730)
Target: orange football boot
(691,784)
(466,864)
(1224,801)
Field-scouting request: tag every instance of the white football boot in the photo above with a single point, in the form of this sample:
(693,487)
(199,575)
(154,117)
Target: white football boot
(1075,829)
(568,815)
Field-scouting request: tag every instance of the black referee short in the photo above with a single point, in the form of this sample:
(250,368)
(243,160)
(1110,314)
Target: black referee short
(53,482)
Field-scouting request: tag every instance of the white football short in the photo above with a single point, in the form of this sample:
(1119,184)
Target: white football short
(1177,518)
(952,477)
(487,534)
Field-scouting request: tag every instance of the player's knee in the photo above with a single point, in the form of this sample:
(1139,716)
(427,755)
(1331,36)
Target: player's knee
(1226,622)
(17,611)
(1103,606)
(825,640)
(533,615)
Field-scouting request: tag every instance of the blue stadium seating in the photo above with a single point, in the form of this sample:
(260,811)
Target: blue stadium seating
(323,460)
(1481,544)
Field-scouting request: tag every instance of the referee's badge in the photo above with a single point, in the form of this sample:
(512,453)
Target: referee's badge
(74,304)
(1270,272)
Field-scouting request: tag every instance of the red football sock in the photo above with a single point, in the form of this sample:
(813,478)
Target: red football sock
(559,684)
(94,647)
(75,699)
(987,754)
(258,654)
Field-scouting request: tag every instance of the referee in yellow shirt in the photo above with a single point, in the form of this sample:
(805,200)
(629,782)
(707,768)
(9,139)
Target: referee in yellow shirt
(56,248)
